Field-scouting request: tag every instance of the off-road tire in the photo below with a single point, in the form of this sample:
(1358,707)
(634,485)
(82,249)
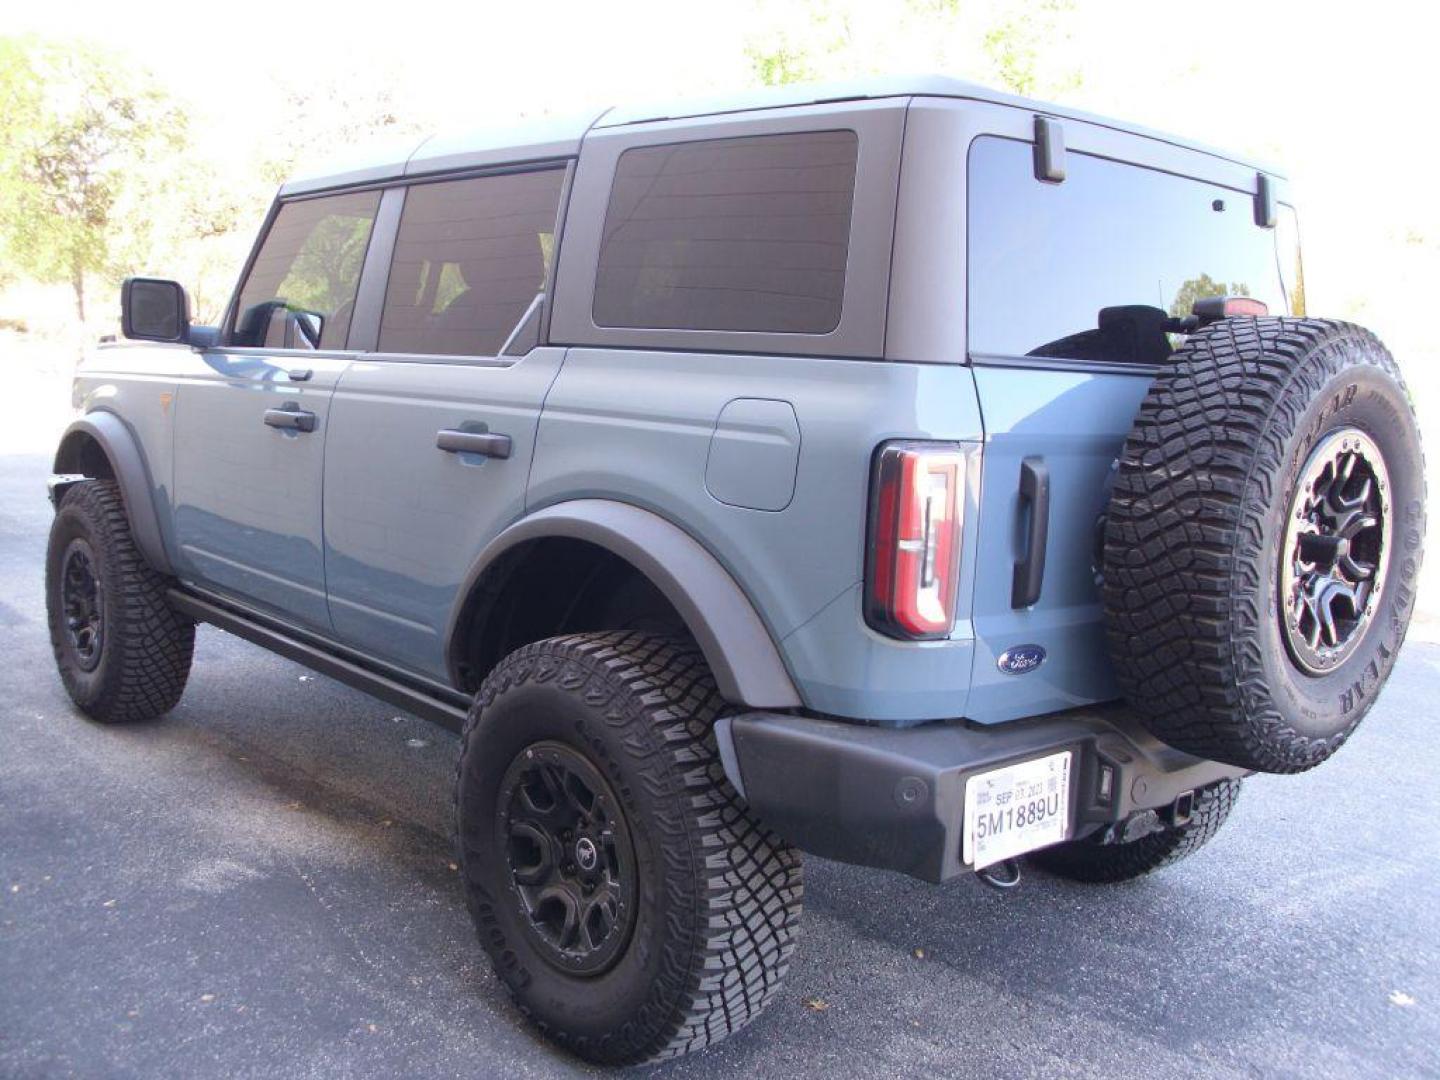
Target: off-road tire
(1090,861)
(1196,526)
(719,896)
(146,646)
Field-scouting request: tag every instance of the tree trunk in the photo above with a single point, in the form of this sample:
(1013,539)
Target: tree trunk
(77,282)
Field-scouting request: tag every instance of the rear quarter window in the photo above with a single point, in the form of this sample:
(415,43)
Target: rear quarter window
(1089,269)
(742,234)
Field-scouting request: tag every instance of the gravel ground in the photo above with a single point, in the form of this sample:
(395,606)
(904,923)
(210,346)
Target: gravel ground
(260,884)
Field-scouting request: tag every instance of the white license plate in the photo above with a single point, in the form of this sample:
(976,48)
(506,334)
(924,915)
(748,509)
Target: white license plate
(1016,809)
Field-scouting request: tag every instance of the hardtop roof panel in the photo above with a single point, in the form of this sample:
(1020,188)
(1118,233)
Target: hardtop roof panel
(558,137)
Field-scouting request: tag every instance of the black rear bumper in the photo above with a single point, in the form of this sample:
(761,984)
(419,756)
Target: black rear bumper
(895,798)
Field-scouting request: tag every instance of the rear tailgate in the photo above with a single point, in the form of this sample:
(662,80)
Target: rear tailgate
(1073,425)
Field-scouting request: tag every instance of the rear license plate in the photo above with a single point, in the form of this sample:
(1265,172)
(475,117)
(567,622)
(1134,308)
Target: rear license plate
(1015,809)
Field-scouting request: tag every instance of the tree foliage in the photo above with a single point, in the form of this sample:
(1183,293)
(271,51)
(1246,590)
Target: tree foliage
(1198,288)
(1014,44)
(102,174)
(80,138)
(1018,46)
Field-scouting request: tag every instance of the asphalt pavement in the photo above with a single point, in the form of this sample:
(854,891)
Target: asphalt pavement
(261,884)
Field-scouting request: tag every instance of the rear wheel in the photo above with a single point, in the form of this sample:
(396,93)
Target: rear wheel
(1093,860)
(122,651)
(630,903)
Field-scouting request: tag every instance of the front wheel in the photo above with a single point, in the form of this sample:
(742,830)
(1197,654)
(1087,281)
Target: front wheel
(122,651)
(630,903)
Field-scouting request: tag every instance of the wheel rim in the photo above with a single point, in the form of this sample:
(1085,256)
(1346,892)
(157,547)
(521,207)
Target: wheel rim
(570,858)
(83,604)
(1336,542)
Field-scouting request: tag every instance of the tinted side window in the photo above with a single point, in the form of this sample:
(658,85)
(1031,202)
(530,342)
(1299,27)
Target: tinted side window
(309,263)
(1091,268)
(729,234)
(470,258)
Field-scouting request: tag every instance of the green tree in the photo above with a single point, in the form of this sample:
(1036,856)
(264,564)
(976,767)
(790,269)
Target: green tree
(77,135)
(1019,45)
(1198,288)
(817,42)
(326,119)
(779,65)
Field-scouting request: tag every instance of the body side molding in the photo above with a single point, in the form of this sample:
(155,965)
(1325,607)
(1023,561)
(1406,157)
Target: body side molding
(736,644)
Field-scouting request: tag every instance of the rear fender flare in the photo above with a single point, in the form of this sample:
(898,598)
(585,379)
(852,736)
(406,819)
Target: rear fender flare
(740,651)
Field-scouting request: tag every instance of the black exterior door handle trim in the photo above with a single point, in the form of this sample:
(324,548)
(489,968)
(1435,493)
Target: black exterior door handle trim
(290,419)
(487,443)
(1030,568)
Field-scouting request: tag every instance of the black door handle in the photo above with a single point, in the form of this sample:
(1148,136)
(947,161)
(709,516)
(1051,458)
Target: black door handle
(473,442)
(1030,568)
(290,419)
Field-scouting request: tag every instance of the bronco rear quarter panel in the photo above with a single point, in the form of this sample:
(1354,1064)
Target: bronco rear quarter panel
(759,445)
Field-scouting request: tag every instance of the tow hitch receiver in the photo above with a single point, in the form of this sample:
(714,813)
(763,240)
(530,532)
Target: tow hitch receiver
(1145,822)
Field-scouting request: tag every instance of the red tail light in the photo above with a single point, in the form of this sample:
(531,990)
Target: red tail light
(914,557)
(1211,309)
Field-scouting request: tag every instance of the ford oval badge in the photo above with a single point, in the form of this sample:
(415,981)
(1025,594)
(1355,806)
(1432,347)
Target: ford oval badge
(1019,659)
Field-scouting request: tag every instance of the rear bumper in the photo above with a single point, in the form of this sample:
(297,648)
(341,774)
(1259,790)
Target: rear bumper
(895,798)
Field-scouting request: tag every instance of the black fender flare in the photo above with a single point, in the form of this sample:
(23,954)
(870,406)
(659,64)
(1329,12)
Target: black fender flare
(127,465)
(741,654)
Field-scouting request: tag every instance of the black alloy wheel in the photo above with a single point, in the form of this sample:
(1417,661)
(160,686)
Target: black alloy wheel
(1334,552)
(571,861)
(123,653)
(83,604)
(1263,541)
(630,904)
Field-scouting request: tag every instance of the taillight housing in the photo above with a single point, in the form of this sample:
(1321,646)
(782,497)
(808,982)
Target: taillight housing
(913,565)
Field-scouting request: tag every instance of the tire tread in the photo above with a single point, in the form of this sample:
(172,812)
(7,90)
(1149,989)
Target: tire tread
(741,882)
(1183,550)
(149,645)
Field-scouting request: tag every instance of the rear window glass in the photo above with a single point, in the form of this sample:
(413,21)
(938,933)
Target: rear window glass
(470,258)
(1091,268)
(307,268)
(747,234)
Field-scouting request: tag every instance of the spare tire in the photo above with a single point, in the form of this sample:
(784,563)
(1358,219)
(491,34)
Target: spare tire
(1263,541)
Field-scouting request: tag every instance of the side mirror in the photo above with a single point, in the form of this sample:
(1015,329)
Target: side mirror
(153,309)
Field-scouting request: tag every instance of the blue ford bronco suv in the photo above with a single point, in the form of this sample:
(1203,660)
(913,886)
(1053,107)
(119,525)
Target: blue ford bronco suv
(901,472)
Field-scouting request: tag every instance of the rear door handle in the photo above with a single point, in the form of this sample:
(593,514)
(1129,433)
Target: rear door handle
(290,419)
(1030,567)
(473,442)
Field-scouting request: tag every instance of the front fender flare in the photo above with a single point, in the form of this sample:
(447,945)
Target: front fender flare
(741,654)
(127,464)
